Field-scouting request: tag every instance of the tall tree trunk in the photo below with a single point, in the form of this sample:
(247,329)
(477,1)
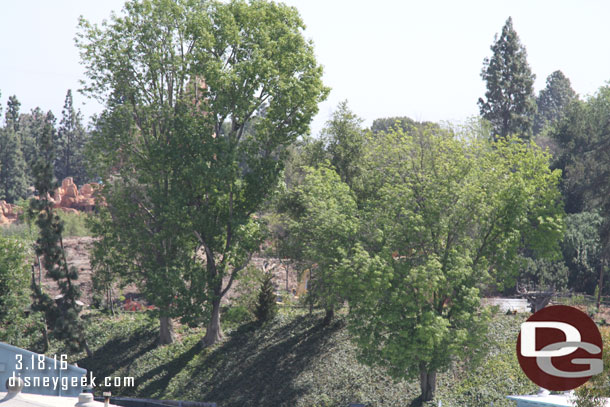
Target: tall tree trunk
(45,337)
(85,346)
(166,331)
(213,333)
(427,383)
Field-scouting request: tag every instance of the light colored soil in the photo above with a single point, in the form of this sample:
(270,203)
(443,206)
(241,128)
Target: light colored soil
(77,254)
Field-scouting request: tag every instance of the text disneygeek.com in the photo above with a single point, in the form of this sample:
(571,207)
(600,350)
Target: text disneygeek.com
(66,382)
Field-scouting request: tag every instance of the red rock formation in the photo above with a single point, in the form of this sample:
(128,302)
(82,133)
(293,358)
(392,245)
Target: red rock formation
(8,213)
(67,198)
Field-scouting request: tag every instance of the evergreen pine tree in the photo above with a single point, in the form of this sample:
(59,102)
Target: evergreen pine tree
(13,175)
(70,141)
(63,315)
(31,126)
(509,102)
(553,100)
(13,178)
(266,308)
(12,113)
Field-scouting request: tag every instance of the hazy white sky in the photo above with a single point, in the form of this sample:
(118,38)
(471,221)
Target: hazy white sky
(420,59)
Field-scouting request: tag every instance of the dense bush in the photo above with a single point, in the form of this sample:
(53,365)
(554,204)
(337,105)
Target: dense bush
(14,289)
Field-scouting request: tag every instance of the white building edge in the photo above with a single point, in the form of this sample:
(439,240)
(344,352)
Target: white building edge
(18,362)
(546,399)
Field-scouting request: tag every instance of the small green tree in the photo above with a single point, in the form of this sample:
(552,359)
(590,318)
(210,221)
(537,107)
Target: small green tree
(509,102)
(266,308)
(447,213)
(110,262)
(323,228)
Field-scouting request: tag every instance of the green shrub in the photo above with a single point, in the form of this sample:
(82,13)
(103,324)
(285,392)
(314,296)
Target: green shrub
(237,314)
(266,308)
(19,231)
(247,288)
(14,287)
(74,224)
(576,299)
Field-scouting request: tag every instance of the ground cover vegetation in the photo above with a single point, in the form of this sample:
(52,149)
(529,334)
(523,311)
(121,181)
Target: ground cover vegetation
(205,160)
(293,360)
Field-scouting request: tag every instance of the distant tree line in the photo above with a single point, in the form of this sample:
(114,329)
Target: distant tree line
(20,147)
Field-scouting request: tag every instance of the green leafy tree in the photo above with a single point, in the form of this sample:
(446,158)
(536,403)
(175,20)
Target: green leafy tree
(544,274)
(71,137)
(202,102)
(447,219)
(582,250)
(386,123)
(553,100)
(509,102)
(323,226)
(139,232)
(63,314)
(14,281)
(404,123)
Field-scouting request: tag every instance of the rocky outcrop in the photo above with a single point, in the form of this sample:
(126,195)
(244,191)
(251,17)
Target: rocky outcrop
(67,198)
(8,213)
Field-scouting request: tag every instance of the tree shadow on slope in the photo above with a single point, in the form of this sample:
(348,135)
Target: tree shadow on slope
(119,353)
(157,379)
(254,366)
(264,372)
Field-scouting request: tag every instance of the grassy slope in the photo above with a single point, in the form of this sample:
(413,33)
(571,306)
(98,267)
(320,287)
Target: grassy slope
(293,361)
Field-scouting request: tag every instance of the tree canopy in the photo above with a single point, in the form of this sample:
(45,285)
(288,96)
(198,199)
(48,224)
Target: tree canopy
(553,100)
(344,138)
(202,101)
